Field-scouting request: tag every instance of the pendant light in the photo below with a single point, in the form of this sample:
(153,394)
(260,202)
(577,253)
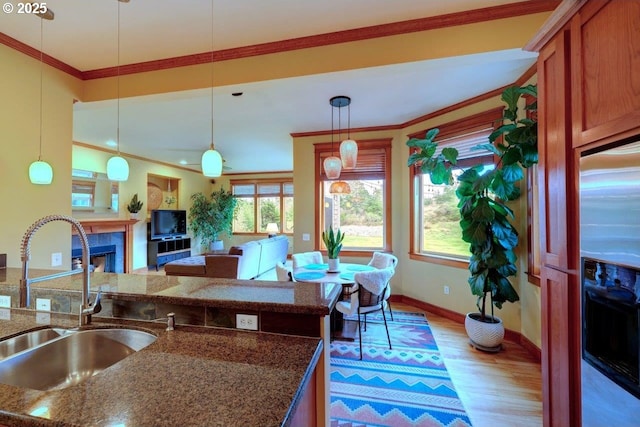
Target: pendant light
(41,172)
(339,187)
(332,164)
(117,166)
(348,147)
(211,159)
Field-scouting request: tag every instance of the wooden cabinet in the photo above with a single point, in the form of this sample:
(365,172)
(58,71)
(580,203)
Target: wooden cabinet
(588,95)
(554,144)
(605,70)
(160,252)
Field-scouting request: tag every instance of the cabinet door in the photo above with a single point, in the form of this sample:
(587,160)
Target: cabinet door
(561,344)
(605,76)
(554,149)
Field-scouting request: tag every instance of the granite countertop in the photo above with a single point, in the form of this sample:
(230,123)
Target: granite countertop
(284,297)
(190,376)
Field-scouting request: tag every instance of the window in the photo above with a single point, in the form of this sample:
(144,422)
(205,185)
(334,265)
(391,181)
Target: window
(435,227)
(364,214)
(261,202)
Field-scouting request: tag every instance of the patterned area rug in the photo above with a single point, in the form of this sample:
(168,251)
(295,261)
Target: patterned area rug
(406,386)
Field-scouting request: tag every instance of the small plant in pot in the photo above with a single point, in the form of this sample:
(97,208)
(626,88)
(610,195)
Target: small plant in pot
(333,241)
(211,216)
(134,206)
(485,219)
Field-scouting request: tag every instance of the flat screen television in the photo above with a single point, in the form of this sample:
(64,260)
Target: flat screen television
(168,224)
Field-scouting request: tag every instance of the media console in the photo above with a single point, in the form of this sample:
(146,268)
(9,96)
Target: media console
(160,252)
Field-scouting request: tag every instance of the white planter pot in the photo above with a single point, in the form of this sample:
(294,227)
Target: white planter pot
(134,215)
(334,264)
(217,245)
(484,335)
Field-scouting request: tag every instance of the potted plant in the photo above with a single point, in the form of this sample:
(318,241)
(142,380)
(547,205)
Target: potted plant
(134,207)
(333,241)
(211,216)
(484,216)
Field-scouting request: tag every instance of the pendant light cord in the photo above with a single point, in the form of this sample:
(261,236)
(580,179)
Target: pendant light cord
(211,74)
(41,97)
(332,120)
(349,120)
(118,86)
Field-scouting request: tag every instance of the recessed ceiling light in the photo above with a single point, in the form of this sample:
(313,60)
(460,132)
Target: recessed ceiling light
(183,162)
(111,143)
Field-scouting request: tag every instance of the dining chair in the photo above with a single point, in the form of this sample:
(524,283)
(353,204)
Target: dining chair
(303,258)
(367,296)
(383,260)
(283,273)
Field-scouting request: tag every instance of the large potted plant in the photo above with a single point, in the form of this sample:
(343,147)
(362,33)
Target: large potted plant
(333,241)
(211,216)
(485,218)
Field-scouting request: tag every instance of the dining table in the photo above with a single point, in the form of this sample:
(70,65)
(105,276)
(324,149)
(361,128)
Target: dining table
(341,329)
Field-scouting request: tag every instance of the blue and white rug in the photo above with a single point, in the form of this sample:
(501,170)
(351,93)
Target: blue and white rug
(406,386)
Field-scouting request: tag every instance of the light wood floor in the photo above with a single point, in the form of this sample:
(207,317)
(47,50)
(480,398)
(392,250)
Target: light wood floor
(502,389)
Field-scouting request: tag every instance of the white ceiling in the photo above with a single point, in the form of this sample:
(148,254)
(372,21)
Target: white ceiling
(176,126)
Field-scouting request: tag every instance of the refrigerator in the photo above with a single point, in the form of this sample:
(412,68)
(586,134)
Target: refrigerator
(610,267)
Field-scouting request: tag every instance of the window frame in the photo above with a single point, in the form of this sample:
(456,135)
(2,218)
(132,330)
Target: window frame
(488,119)
(256,195)
(321,149)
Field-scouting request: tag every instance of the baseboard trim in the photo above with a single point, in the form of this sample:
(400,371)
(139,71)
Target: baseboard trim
(509,335)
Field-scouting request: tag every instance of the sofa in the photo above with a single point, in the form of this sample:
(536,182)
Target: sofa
(246,261)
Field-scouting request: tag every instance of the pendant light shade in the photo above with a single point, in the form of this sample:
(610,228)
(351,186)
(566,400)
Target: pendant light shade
(339,187)
(332,167)
(211,163)
(40,173)
(117,169)
(349,153)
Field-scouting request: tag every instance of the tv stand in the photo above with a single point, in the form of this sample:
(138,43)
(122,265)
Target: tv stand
(160,252)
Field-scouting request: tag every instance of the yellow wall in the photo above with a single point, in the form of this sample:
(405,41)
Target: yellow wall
(22,202)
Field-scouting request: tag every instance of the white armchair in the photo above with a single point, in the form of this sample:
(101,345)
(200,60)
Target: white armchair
(303,258)
(283,273)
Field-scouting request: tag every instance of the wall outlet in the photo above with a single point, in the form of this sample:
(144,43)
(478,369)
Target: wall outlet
(306,237)
(43,304)
(5,314)
(56,259)
(446,290)
(247,321)
(5,301)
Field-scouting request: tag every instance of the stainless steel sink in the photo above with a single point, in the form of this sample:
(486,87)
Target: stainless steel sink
(71,359)
(27,340)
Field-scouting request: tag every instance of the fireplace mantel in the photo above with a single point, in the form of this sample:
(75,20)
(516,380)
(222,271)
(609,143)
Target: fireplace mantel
(125,226)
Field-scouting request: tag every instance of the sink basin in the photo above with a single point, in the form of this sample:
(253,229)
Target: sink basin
(27,340)
(71,359)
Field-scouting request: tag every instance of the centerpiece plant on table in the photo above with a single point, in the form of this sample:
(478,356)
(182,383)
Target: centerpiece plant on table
(333,241)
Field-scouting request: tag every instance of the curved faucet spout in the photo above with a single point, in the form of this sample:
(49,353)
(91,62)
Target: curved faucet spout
(86,309)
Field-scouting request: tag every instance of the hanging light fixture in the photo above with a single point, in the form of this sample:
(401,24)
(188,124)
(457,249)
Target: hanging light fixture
(117,166)
(211,159)
(41,172)
(339,187)
(348,147)
(332,164)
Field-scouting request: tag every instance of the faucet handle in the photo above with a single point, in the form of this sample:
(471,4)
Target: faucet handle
(97,307)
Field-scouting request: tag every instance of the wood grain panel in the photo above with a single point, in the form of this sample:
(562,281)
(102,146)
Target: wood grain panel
(555,336)
(554,139)
(606,64)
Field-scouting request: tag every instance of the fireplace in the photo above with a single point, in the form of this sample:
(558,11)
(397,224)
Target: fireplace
(101,258)
(610,329)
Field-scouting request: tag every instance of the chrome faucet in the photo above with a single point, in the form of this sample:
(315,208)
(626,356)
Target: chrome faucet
(86,308)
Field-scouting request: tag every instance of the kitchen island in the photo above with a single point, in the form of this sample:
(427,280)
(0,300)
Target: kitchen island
(198,374)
